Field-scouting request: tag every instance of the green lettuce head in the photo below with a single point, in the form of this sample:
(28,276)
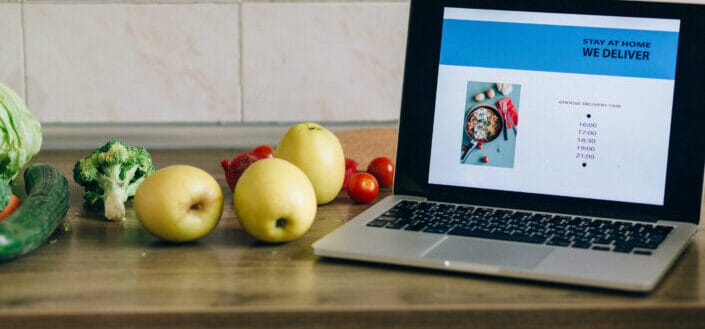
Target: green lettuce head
(20,134)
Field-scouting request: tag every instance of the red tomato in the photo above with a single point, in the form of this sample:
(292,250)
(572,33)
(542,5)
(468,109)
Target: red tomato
(383,169)
(350,169)
(11,206)
(263,151)
(363,187)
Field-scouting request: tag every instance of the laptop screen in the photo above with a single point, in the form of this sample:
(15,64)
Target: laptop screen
(556,104)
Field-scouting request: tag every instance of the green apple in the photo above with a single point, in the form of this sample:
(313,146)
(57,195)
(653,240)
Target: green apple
(179,203)
(317,151)
(274,201)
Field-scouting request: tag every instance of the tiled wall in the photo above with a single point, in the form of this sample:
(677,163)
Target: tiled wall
(232,62)
(11,50)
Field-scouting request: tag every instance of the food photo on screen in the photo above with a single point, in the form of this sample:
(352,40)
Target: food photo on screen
(490,124)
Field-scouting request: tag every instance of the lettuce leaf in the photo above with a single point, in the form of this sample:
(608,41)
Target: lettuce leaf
(20,134)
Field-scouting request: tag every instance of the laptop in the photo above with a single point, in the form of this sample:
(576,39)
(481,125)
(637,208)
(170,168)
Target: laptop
(557,141)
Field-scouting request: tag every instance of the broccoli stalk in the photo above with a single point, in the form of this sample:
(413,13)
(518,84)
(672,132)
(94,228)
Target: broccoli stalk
(117,190)
(111,176)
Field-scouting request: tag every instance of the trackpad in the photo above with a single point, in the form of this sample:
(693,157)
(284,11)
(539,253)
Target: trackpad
(488,252)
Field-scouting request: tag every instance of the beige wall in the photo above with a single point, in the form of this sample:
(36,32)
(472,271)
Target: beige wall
(205,61)
(233,63)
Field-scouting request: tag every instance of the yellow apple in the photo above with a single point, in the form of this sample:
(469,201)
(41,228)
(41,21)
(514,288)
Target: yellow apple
(179,203)
(274,201)
(316,151)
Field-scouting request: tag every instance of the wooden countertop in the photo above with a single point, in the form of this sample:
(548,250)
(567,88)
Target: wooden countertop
(99,274)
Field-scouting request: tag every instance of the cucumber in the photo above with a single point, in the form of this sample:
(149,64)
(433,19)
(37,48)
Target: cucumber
(41,212)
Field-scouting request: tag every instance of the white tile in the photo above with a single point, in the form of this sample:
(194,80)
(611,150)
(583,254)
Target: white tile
(323,61)
(11,67)
(117,62)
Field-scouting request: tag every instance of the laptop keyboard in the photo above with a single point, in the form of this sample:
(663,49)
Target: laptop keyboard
(522,226)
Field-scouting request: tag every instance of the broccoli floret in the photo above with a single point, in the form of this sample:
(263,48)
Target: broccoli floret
(111,175)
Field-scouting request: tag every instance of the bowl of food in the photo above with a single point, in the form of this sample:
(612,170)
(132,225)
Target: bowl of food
(483,123)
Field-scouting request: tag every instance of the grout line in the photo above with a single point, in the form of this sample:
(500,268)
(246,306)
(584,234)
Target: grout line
(23,50)
(241,62)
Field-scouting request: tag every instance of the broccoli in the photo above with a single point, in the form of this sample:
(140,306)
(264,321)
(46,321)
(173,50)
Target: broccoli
(111,175)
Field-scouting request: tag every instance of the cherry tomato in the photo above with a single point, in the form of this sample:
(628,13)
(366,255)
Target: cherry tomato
(383,169)
(350,169)
(485,159)
(263,151)
(363,187)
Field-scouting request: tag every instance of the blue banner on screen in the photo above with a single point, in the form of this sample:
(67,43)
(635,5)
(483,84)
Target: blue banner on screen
(555,48)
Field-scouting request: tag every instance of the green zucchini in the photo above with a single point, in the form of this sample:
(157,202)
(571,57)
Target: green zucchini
(40,213)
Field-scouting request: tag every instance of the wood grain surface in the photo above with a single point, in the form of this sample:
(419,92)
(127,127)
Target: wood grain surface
(98,274)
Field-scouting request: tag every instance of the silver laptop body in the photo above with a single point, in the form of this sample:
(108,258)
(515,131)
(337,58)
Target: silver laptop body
(517,175)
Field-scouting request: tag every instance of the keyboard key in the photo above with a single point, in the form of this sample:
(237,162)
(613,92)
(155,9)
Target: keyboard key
(503,213)
(520,215)
(382,219)
(397,224)
(559,242)
(377,223)
(426,205)
(439,229)
(601,248)
(540,217)
(624,248)
(581,245)
(664,230)
(416,226)
(602,240)
(658,238)
(483,211)
(643,252)
(386,218)
(474,232)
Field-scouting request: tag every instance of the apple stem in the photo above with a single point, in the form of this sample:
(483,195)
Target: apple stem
(281,222)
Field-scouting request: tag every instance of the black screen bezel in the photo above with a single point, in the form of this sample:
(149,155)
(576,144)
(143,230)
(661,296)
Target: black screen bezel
(683,192)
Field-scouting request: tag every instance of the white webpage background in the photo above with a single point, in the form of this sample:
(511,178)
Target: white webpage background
(632,147)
